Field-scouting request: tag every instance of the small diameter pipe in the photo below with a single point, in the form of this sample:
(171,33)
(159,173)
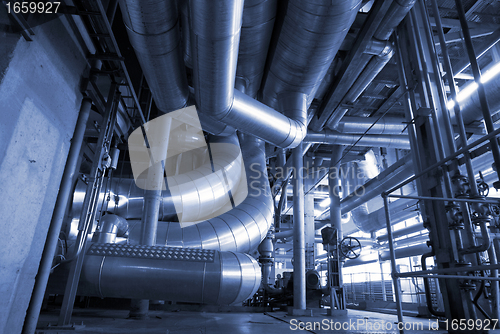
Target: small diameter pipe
(428,298)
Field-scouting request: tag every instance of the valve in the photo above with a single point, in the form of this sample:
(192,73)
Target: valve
(461,186)
(455,217)
(482,186)
(350,247)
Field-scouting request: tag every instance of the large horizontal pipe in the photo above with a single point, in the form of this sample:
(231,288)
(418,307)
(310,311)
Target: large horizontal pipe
(471,107)
(385,256)
(401,210)
(333,137)
(166,273)
(153,30)
(405,231)
(383,126)
(391,176)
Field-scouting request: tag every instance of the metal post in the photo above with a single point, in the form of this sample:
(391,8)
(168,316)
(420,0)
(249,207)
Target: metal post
(395,278)
(382,280)
(90,204)
(152,199)
(57,219)
(336,216)
(299,259)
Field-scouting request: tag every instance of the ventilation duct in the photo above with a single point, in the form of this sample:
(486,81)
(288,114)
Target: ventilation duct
(401,253)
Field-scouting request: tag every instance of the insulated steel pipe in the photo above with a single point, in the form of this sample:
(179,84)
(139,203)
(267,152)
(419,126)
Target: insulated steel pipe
(393,175)
(167,273)
(333,137)
(299,243)
(215,40)
(110,227)
(384,126)
(256,31)
(153,30)
(310,36)
(369,222)
(203,193)
(243,227)
(395,14)
(62,200)
(385,256)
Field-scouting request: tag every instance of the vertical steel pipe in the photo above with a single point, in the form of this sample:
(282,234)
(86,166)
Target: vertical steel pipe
(453,91)
(152,200)
(335,212)
(63,198)
(394,269)
(299,256)
(480,87)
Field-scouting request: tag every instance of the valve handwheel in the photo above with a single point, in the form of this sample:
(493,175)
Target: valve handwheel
(350,247)
(483,188)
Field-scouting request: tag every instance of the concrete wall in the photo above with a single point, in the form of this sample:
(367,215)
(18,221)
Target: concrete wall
(39,103)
